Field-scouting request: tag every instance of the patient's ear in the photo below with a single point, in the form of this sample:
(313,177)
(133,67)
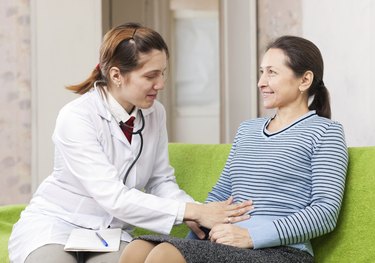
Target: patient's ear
(306,81)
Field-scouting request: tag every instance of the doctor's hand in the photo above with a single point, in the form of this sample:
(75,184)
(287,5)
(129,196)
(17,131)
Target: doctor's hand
(231,235)
(213,213)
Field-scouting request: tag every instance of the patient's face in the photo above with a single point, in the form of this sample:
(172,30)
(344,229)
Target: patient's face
(278,84)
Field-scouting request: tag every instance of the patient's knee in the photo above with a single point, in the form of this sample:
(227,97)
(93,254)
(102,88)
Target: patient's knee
(136,252)
(165,253)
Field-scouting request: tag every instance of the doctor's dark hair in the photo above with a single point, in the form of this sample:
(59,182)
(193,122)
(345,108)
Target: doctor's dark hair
(303,55)
(121,48)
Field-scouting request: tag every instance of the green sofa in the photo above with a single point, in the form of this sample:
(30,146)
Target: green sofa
(199,166)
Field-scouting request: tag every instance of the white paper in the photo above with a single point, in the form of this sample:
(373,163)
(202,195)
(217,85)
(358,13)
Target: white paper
(86,240)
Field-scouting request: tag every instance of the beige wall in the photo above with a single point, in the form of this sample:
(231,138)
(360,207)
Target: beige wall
(344,33)
(64,52)
(15,102)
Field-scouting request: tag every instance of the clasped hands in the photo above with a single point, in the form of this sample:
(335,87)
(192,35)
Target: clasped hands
(219,216)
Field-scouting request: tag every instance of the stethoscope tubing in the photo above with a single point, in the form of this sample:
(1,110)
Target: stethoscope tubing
(139,132)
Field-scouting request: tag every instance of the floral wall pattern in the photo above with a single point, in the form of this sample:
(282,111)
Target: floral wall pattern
(15,102)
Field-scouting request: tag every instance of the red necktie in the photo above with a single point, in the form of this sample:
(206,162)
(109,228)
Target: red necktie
(127,128)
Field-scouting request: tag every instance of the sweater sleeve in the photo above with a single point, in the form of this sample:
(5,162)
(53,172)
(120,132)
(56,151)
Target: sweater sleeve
(329,165)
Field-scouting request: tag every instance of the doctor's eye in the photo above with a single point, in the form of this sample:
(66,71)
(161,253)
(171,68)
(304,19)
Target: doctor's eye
(151,76)
(156,75)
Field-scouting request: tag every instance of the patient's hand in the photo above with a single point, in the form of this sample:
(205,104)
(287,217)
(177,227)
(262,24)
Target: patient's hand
(231,235)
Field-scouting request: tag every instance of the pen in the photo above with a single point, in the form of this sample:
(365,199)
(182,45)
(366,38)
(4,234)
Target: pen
(101,239)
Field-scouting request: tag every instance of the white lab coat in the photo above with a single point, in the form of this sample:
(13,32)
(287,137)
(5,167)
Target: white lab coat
(85,188)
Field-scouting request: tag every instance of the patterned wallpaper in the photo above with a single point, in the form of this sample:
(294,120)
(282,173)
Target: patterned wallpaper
(15,102)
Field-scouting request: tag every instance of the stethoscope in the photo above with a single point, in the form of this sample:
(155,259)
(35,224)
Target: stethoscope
(139,132)
(136,132)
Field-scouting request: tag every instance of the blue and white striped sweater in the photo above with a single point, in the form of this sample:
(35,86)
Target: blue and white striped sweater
(295,177)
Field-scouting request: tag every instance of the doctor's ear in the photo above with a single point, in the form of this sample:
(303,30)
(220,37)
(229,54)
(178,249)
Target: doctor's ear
(115,76)
(306,81)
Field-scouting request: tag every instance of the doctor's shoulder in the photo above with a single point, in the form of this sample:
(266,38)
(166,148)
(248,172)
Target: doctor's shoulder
(82,109)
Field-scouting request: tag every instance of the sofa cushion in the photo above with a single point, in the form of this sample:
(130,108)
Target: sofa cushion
(8,216)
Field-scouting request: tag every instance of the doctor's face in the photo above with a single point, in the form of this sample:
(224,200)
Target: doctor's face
(140,87)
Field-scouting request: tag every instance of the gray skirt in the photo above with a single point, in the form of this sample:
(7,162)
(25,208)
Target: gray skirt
(204,251)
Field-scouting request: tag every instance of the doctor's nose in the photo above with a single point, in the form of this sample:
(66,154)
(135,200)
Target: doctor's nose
(160,83)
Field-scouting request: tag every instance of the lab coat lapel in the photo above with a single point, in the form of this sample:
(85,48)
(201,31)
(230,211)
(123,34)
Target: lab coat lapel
(106,114)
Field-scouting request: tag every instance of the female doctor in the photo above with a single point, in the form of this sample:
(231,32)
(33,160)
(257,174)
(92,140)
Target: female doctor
(111,167)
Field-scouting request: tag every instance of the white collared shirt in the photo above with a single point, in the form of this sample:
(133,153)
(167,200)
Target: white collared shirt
(117,111)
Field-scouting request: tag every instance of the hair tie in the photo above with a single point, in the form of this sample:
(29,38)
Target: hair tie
(135,30)
(321,83)
(98,67)
(131,39)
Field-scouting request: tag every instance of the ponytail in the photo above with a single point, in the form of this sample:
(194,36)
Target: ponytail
(86,85)
(321,101)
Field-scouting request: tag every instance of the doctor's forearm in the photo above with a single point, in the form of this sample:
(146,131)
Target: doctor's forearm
(192,212)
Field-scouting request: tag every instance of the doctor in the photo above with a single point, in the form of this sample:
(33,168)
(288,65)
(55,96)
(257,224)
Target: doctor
(111,159)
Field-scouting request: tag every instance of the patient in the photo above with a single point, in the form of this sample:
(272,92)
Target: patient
(292,166)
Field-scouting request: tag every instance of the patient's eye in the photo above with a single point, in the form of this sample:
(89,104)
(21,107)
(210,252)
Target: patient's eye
(271,71)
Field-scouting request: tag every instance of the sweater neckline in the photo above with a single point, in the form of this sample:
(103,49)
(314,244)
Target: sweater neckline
(300,119)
